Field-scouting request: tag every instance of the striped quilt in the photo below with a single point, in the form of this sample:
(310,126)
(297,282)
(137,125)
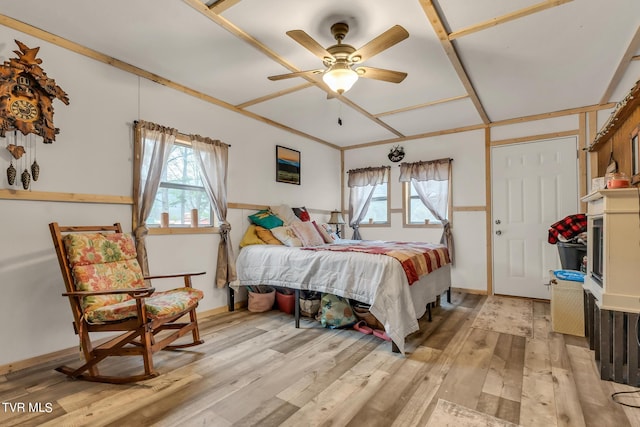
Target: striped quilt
(416,258)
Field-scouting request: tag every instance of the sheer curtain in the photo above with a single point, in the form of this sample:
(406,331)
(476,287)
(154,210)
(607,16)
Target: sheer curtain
(213,157)
(153,146)
(361,184)
(427,178)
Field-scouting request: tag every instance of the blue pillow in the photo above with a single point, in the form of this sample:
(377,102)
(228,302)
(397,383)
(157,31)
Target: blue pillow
(266,219)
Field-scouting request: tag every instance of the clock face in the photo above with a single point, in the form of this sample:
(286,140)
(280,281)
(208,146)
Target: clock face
(24,109)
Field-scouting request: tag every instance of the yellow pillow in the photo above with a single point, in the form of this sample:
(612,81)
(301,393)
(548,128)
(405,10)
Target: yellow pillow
(267,236)
(250,237)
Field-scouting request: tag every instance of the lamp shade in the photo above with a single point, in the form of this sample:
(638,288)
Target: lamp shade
(340,77)
(336,218)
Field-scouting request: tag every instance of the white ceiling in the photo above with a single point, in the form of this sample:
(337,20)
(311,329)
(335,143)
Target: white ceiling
(559,58)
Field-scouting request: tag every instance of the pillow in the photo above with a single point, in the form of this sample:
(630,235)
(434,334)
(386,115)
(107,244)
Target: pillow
(286,235)
(336,312)
(323,233)
(307,233)
(332,234)
(266,219)
(267,236)
(250,237)
(302,213)
(285,213)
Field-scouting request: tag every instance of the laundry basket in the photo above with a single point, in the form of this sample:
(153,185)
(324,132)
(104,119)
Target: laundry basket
(567,303)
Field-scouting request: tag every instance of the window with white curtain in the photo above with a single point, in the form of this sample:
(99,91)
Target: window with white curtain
(415,210)
(181,190)
(378,212)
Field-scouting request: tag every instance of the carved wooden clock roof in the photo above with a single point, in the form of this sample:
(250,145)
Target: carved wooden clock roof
(26,95)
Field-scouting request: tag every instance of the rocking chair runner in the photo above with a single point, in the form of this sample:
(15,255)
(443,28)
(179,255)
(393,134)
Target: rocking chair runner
(107,293)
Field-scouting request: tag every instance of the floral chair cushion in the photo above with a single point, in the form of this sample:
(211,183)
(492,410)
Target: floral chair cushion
(160,304)
(100,262)
(97,248)
(101,277)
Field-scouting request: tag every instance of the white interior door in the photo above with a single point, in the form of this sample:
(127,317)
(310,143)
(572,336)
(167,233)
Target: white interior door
(533,185)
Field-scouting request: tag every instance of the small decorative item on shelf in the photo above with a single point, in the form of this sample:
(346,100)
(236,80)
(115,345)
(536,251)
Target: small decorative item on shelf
(617,180)
(426,221)
(164,219)
(370,220)
(194,218)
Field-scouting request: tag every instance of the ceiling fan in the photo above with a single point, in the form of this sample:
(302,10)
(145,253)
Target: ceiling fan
(340,58)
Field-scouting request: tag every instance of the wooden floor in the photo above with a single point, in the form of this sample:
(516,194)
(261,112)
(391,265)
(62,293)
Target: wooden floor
(257,369)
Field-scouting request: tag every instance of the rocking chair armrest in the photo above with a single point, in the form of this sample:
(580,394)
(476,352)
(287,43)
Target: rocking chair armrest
(165,276)
(134,292)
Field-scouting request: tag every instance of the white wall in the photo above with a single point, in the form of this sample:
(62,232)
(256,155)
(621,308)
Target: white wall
(94,154)
(468,180)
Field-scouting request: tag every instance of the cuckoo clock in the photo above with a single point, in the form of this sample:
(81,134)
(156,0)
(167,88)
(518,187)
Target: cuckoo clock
(26,97)
(27,94)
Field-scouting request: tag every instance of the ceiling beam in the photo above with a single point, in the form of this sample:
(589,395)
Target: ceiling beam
(506,18)
(246,37)
(222,5)
(447,45)
(634,44)
(426,104)
(274,95)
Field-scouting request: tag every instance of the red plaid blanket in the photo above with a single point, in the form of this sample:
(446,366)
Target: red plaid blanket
(568,227)
(416,258)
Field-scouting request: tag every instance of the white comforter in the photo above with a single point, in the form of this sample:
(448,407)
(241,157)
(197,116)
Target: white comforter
(378,280)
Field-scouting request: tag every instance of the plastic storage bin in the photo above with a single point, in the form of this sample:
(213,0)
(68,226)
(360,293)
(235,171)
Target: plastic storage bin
(567,307)
(571,255)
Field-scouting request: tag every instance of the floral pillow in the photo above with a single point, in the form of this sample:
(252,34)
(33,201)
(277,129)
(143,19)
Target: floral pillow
(307,233)
(266,219)
(287,236)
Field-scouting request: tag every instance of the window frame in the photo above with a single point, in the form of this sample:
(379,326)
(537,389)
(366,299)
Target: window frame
(155,229)
(365,222)
(406,205)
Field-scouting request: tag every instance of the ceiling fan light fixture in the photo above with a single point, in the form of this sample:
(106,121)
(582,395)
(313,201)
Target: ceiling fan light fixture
(340,77)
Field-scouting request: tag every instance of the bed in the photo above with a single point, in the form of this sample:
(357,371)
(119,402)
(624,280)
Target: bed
(356,270)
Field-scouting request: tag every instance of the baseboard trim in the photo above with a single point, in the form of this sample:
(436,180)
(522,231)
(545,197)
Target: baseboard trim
(61,354)
(469,291)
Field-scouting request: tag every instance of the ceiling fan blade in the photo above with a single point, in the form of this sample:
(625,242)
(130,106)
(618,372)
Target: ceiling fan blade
(384,41)
(310,44)
(381,74)
(296,74)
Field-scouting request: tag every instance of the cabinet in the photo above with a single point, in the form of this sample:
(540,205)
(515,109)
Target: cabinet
(612,282)
(616,250)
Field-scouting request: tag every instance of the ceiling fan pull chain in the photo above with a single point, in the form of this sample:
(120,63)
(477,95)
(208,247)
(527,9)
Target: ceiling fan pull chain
(340,114)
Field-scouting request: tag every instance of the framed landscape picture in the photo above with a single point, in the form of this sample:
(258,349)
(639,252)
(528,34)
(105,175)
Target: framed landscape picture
(287,165)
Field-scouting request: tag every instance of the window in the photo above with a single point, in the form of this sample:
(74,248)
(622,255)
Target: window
(181,190)
(416,211)
(378,212)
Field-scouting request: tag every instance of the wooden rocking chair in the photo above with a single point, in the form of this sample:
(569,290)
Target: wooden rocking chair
(107,293)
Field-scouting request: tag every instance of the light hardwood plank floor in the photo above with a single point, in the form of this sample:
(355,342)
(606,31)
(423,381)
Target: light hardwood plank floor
(258,369)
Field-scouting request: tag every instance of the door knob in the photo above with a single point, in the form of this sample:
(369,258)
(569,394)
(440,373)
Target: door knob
(498,232)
